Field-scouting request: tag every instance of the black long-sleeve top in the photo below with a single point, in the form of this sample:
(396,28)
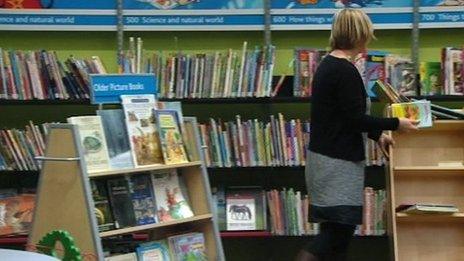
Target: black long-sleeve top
(338,112)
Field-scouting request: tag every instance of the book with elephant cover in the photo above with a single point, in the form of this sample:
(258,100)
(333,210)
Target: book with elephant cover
(93,142)
(141,128)
(246,208)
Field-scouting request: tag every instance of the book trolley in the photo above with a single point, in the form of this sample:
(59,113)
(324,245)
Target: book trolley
(426,166)
(64,200)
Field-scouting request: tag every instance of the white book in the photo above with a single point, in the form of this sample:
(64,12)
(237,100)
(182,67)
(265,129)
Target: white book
(93,142)
(141,128)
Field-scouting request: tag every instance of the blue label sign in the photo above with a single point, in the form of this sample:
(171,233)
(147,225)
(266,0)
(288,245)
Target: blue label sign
(107,88)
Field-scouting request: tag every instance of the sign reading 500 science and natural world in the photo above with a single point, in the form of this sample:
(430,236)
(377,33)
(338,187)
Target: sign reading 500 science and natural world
(217,14)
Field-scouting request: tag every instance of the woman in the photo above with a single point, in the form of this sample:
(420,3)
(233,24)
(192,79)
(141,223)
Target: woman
(335,162)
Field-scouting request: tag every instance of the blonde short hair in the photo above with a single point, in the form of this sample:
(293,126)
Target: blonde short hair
(351,28)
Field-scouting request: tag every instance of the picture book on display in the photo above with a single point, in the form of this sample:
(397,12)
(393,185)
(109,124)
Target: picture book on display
(188,247)
(143,134)
(170,136)
(143,199)
(117,138)
(123,257)
(16,213)
(121,202)
(431,78)
(416,110)
(103,211)
(246,208)
(93,142)
(154,251)
(170,196)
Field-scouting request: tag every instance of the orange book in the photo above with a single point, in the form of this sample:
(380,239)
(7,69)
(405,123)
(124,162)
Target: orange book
(16,214)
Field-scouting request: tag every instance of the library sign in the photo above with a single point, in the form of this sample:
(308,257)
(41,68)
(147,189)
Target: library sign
(108,88)
(198,15)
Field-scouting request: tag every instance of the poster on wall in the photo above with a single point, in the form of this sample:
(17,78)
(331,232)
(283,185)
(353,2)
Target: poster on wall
(138,15)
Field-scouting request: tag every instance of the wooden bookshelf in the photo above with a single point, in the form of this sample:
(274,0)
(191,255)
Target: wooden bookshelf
(144,169)
(129,230)
(64,200)
(417,176)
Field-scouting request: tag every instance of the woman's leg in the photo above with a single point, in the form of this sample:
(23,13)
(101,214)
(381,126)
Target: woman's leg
(330,245)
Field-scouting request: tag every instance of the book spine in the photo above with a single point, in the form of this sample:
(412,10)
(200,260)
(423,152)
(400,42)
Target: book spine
(368,216)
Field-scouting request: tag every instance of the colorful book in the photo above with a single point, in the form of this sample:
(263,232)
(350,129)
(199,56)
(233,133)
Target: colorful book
(121,202)
(417,110)
(143,199)
(375,70)
(117,138)
(188,247)
(16,214)
(431,78)
(141,128)
(246,208)
(123,257)
(102,208)
(170,196)
(93,142)
(172,143)
(153,251)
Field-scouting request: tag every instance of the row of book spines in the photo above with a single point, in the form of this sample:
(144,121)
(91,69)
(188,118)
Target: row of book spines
(289,212)
(18,148)
(305,65)
(215,76)
(374,213)
(40,75)
(374,155)
(254,143)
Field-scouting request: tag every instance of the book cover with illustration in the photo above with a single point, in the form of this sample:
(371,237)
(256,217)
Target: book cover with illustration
(153,251)
(93,142)
(431,78)
(246,208)
(375,70)
(170,196)
(16,214)
(141,128)
(188,247)
(143,199)
(122,257)
(121,202)
(117,138)
(172,143)
(417,110)
(102,209)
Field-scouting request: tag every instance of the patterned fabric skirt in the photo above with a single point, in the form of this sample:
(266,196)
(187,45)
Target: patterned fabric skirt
(335,189)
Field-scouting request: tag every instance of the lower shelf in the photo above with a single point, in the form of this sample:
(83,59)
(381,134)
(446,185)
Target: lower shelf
(267,234)
(136,229)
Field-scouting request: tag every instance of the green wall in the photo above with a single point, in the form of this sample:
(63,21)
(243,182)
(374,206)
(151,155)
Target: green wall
(84,44)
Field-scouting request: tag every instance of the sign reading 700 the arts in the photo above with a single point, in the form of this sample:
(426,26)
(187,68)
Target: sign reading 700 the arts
(159,15)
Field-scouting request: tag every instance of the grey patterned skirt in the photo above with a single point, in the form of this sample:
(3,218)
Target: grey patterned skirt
(335,189)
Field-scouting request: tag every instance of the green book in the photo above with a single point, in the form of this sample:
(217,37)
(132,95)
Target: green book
(430,78)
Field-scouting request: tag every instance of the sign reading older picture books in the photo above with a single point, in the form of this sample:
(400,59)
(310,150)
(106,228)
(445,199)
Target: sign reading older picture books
(143,134)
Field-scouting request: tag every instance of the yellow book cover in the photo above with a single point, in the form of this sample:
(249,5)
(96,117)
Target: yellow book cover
(172,143)
(417,110)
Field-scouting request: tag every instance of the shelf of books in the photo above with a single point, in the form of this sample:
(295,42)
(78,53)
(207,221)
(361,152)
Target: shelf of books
(425,186)
(126,171)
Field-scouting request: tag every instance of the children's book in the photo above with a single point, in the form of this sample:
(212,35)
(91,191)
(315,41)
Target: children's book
(117,138)
(143,199)
(172,143)
(153,251)
(16,214)
(246,208)
(170,196)
(188,247)
(431,78)
(121,202)
(417,110)
(123,257)
(141,128)
(103,212)
(93,142)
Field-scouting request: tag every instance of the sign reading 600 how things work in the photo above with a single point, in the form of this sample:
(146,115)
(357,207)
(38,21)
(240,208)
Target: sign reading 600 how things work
(218,14)
(387,14)
(138,14)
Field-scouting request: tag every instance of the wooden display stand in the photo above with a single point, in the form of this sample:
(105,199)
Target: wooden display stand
(418,175)
(64,200)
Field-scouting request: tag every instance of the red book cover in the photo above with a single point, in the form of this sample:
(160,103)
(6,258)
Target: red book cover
(16,214)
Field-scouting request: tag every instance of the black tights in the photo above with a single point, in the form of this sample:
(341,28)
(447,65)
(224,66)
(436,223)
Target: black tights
(332,242)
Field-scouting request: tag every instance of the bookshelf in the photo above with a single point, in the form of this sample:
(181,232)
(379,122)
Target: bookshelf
(416,177)
(64,200)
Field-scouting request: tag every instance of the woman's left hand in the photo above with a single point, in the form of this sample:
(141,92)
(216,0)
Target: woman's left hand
(385,142)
